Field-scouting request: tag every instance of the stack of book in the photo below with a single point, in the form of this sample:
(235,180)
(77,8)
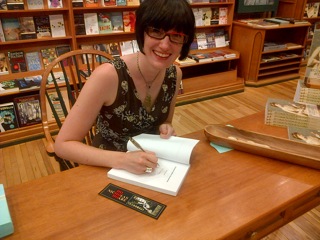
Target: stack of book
(284,113)
(305,94)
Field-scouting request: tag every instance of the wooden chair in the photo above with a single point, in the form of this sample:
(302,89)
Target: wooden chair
(61,84)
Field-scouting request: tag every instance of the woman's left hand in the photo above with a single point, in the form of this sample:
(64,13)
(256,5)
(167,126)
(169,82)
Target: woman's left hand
(166,130)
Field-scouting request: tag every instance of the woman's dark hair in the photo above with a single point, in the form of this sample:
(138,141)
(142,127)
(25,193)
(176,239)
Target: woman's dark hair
(166,15)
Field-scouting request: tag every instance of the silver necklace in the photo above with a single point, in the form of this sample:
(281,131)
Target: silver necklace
(148,100)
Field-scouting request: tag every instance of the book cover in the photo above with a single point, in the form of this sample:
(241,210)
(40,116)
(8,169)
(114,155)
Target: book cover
(173,159)
(55,100)
(48,55)
(133,2)
(8,117)
(104,22)
(198,14)
(304,94)
(283,113)
(214,16)
(206,16)
(116,21)
(11,28)
(129,21)
(57,25)
(3,64)
(121,2)
(35,4)
(220,38)
(106,3)
(79,24)
(27,28)
(3,5)
(126,48)
(17,61)
(210,40)
(223,15)
(201,57)
(62,50)
(77,3)
(8,87)
(114,49)
(15,4)
(42,24)
(304,135)
(91,23)
(55,3)
(33,61)
(201,40)
(28,110)
(2,38)
(29,82)
(311,10)
(91,3)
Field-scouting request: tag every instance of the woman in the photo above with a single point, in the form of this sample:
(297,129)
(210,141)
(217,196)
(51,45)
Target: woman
(134,94)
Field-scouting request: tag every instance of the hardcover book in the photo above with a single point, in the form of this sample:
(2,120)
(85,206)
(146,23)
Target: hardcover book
(62,50)
(3,5)
(27,28)
(105,3)
(54,98)
(126,48)
(304,135)
(55,4)
(223,15)
(206,16)
(133,2)
(116,21)
(198,14)
(42,24)
(201,40)
(35,4)
(11,28)
(57,25)
(121,2)
(104,22)
(15,4)
(8,87)
(129,20)
(29,82)
(79,24)
(201,57)
(8,117)
(91,23)
(77,3)
(2,38)
(305,94)
(33,61)
(91,3)
(28,110)
(17,61)
(215,16)
(48,55)
(173,160)
(3,64)
(283,113)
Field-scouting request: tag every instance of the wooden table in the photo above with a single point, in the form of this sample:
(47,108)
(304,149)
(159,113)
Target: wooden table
(225,196)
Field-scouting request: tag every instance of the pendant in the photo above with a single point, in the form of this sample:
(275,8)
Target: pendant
(147,102)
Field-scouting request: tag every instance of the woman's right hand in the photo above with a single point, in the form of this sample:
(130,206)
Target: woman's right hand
(137,162)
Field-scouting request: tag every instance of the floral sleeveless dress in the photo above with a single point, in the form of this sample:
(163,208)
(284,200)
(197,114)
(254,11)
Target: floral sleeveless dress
(127,116)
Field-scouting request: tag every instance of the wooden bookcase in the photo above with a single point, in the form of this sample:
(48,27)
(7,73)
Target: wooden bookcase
(249,41)
(200,80)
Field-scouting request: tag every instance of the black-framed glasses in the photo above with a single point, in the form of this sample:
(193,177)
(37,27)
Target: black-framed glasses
(174,37)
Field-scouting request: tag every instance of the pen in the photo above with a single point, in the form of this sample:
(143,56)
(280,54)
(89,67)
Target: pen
(137,145)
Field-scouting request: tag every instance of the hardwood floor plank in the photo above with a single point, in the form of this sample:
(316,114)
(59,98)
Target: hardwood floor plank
(3,177)
(21,164)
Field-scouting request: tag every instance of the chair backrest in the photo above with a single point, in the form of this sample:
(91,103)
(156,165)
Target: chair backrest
(61,84)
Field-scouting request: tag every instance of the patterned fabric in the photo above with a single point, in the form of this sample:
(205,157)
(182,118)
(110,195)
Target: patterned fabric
(127,116)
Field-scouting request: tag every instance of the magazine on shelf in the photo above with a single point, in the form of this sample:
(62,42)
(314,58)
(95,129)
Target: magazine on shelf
(8,117)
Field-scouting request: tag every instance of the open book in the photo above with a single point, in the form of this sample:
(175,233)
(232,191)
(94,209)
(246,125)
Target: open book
(173,159)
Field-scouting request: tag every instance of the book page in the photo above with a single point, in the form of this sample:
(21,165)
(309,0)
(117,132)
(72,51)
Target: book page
(177,149)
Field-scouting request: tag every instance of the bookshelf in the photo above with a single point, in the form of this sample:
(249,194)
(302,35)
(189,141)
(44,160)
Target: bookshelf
(201,80)
(252,68)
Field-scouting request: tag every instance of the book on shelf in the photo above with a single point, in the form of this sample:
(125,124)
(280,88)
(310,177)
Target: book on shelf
(60,50)
(55,100)
(17,61)
(262,23)
(311,10)
(15,4)
(129,20)
(293,21)
(29,82)
(115,50)
(48,55)
(2,38)
(91,23)
(104,22)
(28,110)
(121,2)
(201,40)
(11,28)
(105,3)
(8,117)
(206,16)
(283,113)
(198,14)
(304,135)
(126,48)
(223,15)
(214,16)
(133,2)
(27,28)
(33,61)
(9,86)
(58,76)
(42,24)
(35,4)
(173,159)
(3,5)
(304,94)
(79,25)
(186,61)
(77,3)
(201,57)
(104,47)
(210,40)
(271,46)
(91,3)
(220,38)
(116,21)
(55,4)
(3,64)
(57,25)
(226,53)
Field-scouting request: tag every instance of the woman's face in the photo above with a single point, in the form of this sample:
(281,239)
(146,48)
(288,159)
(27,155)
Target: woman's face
(161,53)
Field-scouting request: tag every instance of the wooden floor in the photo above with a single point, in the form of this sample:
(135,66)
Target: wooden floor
(28,161)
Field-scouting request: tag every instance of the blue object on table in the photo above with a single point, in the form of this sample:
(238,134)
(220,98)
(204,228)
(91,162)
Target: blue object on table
(6,226)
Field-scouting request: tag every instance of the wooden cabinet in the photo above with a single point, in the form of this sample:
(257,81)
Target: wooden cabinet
(200,80)
(249,41)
